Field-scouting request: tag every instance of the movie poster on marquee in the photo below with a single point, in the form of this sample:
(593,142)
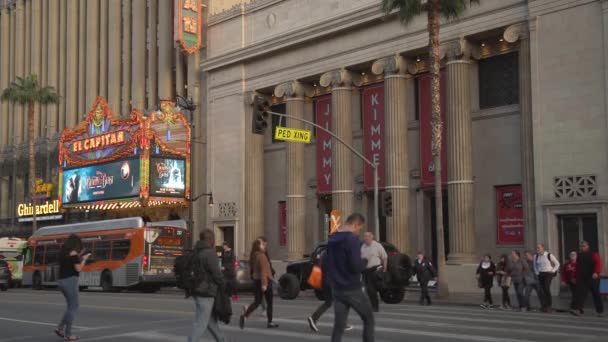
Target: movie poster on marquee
(120,179)
(373,134)
(324,141)
(509,215)
(167,177)
(427,170)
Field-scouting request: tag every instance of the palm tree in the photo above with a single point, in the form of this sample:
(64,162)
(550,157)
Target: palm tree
(27,91)
(435,9)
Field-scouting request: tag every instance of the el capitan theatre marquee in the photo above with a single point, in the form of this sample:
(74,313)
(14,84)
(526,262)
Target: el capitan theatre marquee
(119,163)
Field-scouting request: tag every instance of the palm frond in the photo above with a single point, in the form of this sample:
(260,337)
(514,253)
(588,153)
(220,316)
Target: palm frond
(406,9)
(27,90)
(451,9)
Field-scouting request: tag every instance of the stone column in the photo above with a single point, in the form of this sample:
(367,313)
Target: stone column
(179,73)
(19,65)
(138,54)
(126,58)
(396,79)
(152,54)
(511,35)
(35,58)
(61,117)
(296,93)
(254,191)
(71,86)
(103,50)
(114,54)
(83,107)
(165,50)
(197,162)
(460,154)
(341,83)
(92,53)
(4,73)
(52,65)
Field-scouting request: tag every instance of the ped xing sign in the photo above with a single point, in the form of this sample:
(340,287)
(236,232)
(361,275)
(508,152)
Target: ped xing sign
(292,134)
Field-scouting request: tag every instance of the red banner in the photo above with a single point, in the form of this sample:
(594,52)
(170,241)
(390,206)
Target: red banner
(323,119)
(427,176)
(283,223)
(373,134)
(509,215)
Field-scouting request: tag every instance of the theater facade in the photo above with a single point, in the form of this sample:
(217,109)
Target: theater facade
(525,139)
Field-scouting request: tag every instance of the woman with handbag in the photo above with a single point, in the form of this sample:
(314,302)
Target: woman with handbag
(503,270)
(485,279)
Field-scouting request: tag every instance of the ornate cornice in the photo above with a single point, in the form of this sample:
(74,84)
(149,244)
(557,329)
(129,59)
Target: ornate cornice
(394,65)
(240,9)
(340,78)
(516,32)
(294,89)
(251,95)
(459,49)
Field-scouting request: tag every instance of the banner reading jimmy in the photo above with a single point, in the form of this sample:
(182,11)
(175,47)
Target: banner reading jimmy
(167,177)
(120,179)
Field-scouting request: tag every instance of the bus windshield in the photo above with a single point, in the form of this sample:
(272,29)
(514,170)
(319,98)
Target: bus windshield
(163,244)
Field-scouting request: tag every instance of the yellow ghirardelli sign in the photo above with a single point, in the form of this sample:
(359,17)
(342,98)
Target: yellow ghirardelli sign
(47,208)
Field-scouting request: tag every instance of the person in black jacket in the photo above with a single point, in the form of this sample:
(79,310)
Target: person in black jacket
(229,270)
(204,294)
(424,272)
(485,277)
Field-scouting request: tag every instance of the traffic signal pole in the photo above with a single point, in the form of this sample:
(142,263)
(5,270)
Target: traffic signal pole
(355,152)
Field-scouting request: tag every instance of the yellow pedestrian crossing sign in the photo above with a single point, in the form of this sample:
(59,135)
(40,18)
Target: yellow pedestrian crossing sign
(292,134)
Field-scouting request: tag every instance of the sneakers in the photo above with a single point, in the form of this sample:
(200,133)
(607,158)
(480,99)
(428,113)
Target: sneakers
(272,325)
(312,324)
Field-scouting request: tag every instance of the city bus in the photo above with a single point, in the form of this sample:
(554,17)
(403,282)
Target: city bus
(11,250)
(126,253)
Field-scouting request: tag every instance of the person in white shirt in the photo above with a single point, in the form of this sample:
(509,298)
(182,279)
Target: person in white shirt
(546,266)
(376,256)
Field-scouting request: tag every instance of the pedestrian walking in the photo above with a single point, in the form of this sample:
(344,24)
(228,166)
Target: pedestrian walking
(344,267)
(424,271)
(229,270)
(503,272)
(375,259)
(569,277)
(210,281)
(588,269)
(485,278)
(327,296)
(519,268)
(265,243)
(546,266)
(262,279)
(531,281)
(72,259)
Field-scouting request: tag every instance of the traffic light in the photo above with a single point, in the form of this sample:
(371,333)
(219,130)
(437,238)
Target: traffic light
(387,202)
(260,115)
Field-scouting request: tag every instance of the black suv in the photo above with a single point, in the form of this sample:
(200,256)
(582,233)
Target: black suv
(391,286)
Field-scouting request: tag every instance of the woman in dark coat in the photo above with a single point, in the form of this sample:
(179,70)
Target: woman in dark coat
(485,279)
(503,271)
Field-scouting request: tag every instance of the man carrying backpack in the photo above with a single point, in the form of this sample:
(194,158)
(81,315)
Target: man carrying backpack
(205,266)
(545,267)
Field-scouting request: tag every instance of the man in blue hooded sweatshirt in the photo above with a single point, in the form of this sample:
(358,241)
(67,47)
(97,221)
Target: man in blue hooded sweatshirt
(344,267)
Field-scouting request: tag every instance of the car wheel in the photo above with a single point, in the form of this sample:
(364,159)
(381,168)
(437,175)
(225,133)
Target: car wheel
(289,286)
(106,282)
(37,281)
(392,295)
(320,296)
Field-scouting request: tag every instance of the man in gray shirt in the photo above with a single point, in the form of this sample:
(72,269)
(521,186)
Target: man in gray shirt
(376,257)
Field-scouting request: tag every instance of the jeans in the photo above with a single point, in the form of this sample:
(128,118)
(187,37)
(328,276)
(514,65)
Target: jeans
(519,293)
(487,295)
(544,280)
(259,294)
(573,295)
(204,320)
(325,306)
(585,286)
(506,300)
(424,291)
(528,294)
(369,275)
(343,301)
(69,289)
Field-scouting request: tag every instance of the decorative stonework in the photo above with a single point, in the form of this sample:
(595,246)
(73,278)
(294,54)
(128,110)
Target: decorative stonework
(340,78)
(294,89)
(515,32)
(583,186)
(241,9)
(394,65)
(459,49)
(227,209)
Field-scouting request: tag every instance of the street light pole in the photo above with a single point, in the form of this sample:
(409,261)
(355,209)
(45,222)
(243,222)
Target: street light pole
(355,152)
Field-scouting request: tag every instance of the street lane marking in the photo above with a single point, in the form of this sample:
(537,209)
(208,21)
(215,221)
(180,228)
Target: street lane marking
(38,323)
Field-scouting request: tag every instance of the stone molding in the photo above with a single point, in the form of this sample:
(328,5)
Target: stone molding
(394,65)
(239,9)
(516,32)
(250,97)
(459,49)
(294,89)
(340,78)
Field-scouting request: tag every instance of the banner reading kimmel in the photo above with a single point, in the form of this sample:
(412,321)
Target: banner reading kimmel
(427,170)
(373,134)
(509,215)
(323,119)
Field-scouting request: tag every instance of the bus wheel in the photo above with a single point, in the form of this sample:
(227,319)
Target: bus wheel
(106,282)
(37,281)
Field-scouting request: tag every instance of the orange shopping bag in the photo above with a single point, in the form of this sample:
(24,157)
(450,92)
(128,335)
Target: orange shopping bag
(315,280)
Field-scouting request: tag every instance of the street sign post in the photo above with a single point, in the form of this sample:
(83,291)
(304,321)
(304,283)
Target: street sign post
(292,134)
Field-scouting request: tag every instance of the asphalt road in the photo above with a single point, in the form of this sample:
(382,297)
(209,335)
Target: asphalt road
(27,315)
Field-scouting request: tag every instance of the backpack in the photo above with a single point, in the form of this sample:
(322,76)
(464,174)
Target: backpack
(187,272)
(222,306)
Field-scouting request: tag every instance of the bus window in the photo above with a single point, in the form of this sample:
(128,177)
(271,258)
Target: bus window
(28,256)
(101,250)
(39,256)
(51,254)
(120,249)
(87,246)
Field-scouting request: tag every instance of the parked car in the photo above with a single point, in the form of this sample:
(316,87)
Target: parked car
(243,276)
(5,275)
(391,285)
